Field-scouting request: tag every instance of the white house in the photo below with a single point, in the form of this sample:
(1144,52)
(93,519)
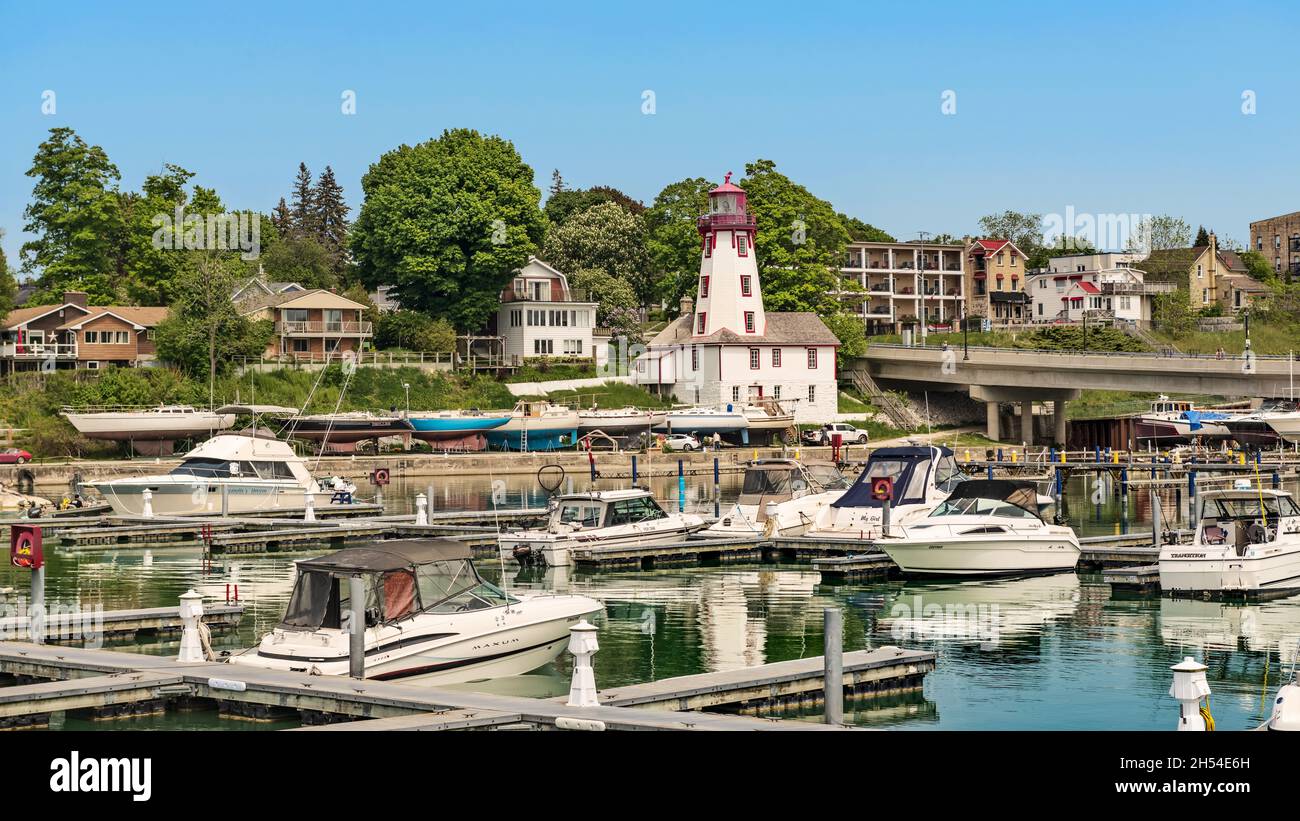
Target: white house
(541,316)
(725,349)
(1104,284)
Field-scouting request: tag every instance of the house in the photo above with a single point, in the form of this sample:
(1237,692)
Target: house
(725,349)
(258,288)
(1278,239)
(1104,285)
(1237,291)
(994,282)
(75,334)
(310,325)
(1199,269)
(541,316)
(901,283)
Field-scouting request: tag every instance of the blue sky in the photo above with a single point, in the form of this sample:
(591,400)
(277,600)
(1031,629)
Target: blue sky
(1108,107)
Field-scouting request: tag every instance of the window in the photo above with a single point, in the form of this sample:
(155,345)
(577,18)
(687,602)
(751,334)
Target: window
(742,246)
(92,337)
(812,359)
(776,391)
(753,359)
(92,366)
(776,357)
(1205,295)
(749,322)
(746,287)
(704,287)
(708,245)
(121,338)
(543,347)
(1040,309)
(1000,255)
(295,315)
(735,393)
(300,346)
(702,318)
(812,393)
(695,357)
(1199,272)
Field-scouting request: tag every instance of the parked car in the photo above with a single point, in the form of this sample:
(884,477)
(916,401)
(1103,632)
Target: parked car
(681,441)
(849,435)
(14,456)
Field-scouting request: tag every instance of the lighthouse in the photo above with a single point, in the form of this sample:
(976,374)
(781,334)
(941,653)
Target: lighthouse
(725,349)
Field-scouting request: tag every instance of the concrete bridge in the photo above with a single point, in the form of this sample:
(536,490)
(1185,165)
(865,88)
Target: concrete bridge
(995,375)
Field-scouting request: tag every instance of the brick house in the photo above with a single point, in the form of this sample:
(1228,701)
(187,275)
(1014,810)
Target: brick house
(995,274)
(76,334)
(310,326)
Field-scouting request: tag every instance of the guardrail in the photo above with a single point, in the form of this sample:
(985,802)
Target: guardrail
(1082,352)
(39,350)
(319,327)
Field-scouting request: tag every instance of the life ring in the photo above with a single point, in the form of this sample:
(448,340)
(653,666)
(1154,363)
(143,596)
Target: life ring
(26,481)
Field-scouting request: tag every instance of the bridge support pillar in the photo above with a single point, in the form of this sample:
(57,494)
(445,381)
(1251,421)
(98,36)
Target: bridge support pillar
(1027,421)
(991,412)
(1058,422)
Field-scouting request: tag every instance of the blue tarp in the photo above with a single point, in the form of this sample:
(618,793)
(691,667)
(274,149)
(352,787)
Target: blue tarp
(1195,417)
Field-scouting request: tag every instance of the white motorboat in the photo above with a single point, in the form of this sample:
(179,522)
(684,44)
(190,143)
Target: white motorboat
(767,415)
(430,618)
(231,472)
(139,427)
(923,476)
(703,421)
(1247,545)
(1285,424)
(1174,420)
(602,518)
(619,420)
(780,497)
(986,527)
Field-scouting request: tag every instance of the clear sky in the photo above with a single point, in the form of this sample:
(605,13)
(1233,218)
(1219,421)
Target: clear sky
(1109,107)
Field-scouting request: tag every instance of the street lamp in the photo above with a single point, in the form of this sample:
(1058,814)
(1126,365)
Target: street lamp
(965,334)
(406,386)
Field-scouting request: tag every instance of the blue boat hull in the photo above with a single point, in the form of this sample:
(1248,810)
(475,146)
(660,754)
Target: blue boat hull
(432,429)
(553,439)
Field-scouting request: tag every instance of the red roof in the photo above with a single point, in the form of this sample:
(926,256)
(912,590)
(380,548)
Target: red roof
(992,245)
(727,187)
(1089,288)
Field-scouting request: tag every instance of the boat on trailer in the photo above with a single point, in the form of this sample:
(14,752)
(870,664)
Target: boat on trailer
(986,527)
(619,421)
(535,426)
(430,618)
(347,428)
(780,497)
(1246,545)
(150,430)
(448,425)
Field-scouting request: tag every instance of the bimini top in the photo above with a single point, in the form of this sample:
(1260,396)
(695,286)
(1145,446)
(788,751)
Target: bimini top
(909,467)
(1022,494)
(386,556)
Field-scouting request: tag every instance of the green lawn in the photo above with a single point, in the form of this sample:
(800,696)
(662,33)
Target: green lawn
(1264,339)
(610,395)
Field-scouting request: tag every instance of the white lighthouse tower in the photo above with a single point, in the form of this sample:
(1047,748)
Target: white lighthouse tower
(730,296)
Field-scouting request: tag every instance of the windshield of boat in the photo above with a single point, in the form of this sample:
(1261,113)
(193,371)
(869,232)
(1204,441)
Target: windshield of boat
(774,480)
(580,513)
(631,511)
(981,507)
(828,476)
(1248,508)
(209,468)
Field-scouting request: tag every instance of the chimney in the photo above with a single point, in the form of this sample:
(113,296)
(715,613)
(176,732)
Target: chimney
(688,306)
(77,298)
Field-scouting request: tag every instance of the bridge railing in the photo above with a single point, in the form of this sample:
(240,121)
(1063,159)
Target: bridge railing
(1227,357)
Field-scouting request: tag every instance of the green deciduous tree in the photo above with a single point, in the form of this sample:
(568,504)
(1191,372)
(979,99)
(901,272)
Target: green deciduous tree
(414,331)
(301,259)
(446,222)
(607,238)
(616,301)
(672,239)
(860,231)
(851,333)
(1160,233)
(566,203)
(1025,230)
(8,283)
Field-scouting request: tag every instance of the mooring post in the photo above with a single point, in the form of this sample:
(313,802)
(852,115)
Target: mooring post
(634,468)
(428,494)
(146,503)
(1157,535)
(309,507)
(681,487)
(357,634)
(1188,689)
(582,645)
(717,489)
(225,499)
(884,517)
(833,674)
(379,496)
(421,509)
(191,614)
(36,614)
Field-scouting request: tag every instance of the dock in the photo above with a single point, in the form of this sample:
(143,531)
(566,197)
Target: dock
(122,624)
(105,684)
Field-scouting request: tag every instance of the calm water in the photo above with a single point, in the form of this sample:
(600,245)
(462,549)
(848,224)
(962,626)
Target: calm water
(1054,652)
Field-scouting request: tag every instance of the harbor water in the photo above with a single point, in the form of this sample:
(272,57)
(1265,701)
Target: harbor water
(1054,652)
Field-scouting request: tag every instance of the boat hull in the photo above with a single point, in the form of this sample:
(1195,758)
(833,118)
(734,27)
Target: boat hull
(1285,425)
(348,432)
(123,427)
(620,423)
(445,428)
(703,423)
(793,518)
(1252,433)
(554,550)
(1010,555)
(189,498)
(549,432)
(1188,569)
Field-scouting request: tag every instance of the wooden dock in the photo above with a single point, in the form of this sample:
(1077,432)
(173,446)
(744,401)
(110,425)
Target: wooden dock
(108,684)
(121,624)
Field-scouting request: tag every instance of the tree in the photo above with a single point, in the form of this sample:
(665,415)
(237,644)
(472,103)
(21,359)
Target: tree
(567,203)
(76,217)
(557,182)
(281,218)
(303,208)
(1025,230)
(154,267)
(1257,265)
(446,222)
(8,283)
(1202,237)
(414,331)
(1172,313)
(673,241)
(1159,233)
(301,259)
(605,238)
(851,333)
(614,297)
(800,242)
(331,219)
(1064,246)
(860,231)
(203,331)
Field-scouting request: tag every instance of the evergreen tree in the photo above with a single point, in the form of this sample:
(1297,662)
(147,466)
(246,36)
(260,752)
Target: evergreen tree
(331,218)
(557,182)
(1202,237)
(304,203)
(281,218)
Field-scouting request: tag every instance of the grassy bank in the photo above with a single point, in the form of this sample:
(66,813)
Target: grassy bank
(1264,339)
(610,395)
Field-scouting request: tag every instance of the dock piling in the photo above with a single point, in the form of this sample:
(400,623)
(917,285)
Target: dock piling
(582,645)
(146,503)
(191,613)
(421,509)
(309,507)
(833,676)
(357,630)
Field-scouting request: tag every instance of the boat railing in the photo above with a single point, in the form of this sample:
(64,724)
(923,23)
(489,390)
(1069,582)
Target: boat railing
(179,409)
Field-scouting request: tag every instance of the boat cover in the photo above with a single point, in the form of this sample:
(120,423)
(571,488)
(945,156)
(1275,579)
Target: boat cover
(908,466)
(384,556)
(1020,493)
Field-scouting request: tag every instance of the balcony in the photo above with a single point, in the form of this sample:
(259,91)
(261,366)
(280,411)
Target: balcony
(38,350)
(1138,288)
(726,221)
(574,295)
(318,328)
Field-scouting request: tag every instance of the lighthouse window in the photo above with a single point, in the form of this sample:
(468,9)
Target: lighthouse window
(753,359)
(749,322)
(704,287)
(708,245)
(746,287)
(742,246)
(702,318)
(812,359)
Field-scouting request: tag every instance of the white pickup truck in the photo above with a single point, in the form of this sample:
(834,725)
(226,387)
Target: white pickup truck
(848,434)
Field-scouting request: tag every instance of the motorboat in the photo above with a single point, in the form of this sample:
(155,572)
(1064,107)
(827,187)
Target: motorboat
(923,476)
(143,428)
(766,416)
(1251,430)
(1246,545)
(986,527)
(1174,420)
(780,497)
(703,421)
(535,426)
(1286,424)
(1286,704)
(441,426)
(429,618)
(16,500)
(601,518)
(619,421)
(347,428)
(229,472)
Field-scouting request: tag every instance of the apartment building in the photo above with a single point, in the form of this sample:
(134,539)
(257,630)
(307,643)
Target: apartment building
(1278,239)
(899,284)
(995,274)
